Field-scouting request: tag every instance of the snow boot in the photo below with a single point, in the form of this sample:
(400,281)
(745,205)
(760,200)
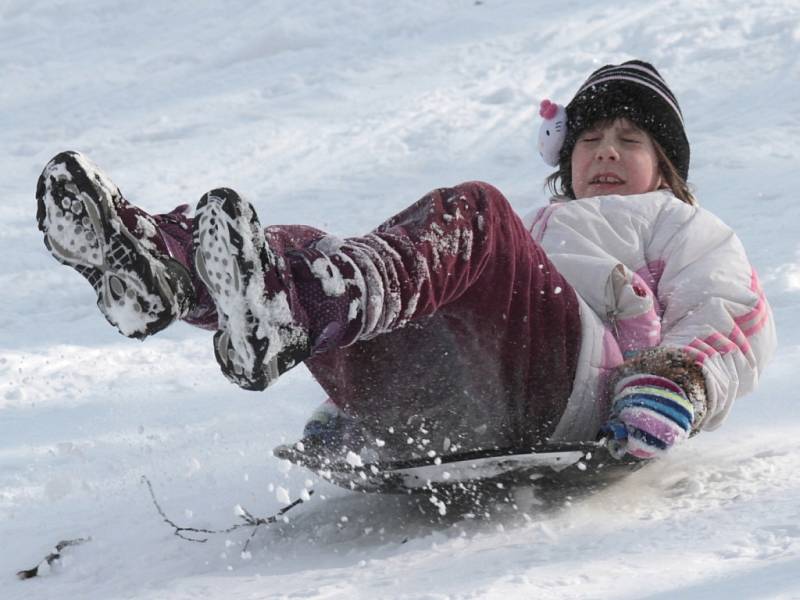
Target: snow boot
(329,431)
(89,226)
(262,329)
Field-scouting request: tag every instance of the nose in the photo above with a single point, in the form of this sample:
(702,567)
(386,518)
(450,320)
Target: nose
(606,150)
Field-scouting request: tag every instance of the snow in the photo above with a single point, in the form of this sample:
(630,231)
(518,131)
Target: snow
(337,115)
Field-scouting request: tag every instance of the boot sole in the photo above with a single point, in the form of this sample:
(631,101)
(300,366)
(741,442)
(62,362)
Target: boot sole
(82,230)
(230,259)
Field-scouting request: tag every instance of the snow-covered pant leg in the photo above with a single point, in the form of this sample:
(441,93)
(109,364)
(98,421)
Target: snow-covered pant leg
(175,229)
(470,335)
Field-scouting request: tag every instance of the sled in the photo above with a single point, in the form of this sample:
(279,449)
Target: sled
(588,465)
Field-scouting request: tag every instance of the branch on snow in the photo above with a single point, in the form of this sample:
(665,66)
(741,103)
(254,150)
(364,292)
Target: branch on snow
(249,521)
(52,557)
(247,517)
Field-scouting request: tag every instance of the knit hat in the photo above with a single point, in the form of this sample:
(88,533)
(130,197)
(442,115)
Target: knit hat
(634,90)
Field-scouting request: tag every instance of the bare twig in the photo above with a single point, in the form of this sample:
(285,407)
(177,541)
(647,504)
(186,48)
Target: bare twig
(246,516)
(52,557)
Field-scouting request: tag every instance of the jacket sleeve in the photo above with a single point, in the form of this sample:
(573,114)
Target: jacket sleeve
(713,308)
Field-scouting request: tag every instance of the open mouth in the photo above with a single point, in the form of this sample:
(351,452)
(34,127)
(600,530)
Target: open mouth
(606,178)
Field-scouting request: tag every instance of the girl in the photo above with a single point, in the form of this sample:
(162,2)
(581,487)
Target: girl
(621,308)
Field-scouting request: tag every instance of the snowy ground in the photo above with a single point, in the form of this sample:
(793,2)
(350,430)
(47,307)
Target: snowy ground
(337,114)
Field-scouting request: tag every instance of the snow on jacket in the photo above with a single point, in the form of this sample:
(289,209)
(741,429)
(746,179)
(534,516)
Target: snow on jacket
(652,271)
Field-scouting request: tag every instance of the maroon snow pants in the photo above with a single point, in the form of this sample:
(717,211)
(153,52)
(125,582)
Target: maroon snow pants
(482,345)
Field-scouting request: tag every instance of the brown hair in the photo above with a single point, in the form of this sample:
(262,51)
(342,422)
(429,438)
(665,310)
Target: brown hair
(672,178)
(560,182)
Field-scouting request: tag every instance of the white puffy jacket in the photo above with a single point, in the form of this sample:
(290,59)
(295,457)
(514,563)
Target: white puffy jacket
(651,271)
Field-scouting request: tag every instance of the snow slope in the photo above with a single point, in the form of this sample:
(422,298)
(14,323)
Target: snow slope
(337,114)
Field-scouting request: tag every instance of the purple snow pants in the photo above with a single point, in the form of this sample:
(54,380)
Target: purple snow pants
(482,349)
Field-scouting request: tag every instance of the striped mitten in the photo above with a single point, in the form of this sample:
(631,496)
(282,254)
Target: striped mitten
(649,415)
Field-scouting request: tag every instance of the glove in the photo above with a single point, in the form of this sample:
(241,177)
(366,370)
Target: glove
(649,415)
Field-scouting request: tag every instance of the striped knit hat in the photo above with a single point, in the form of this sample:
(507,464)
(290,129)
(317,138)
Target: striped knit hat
(636,91)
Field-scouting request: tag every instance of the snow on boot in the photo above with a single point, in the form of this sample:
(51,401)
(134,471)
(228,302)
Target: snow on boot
(262,330)
(89,226)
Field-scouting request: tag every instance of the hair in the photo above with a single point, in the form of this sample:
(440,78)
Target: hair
(560,182)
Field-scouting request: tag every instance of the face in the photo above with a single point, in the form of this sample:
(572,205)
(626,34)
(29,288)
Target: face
(616,159)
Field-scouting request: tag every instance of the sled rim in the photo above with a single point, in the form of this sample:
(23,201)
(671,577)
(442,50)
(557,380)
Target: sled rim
(542,461)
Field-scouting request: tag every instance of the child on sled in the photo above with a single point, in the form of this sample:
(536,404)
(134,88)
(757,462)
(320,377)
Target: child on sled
(621,309)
